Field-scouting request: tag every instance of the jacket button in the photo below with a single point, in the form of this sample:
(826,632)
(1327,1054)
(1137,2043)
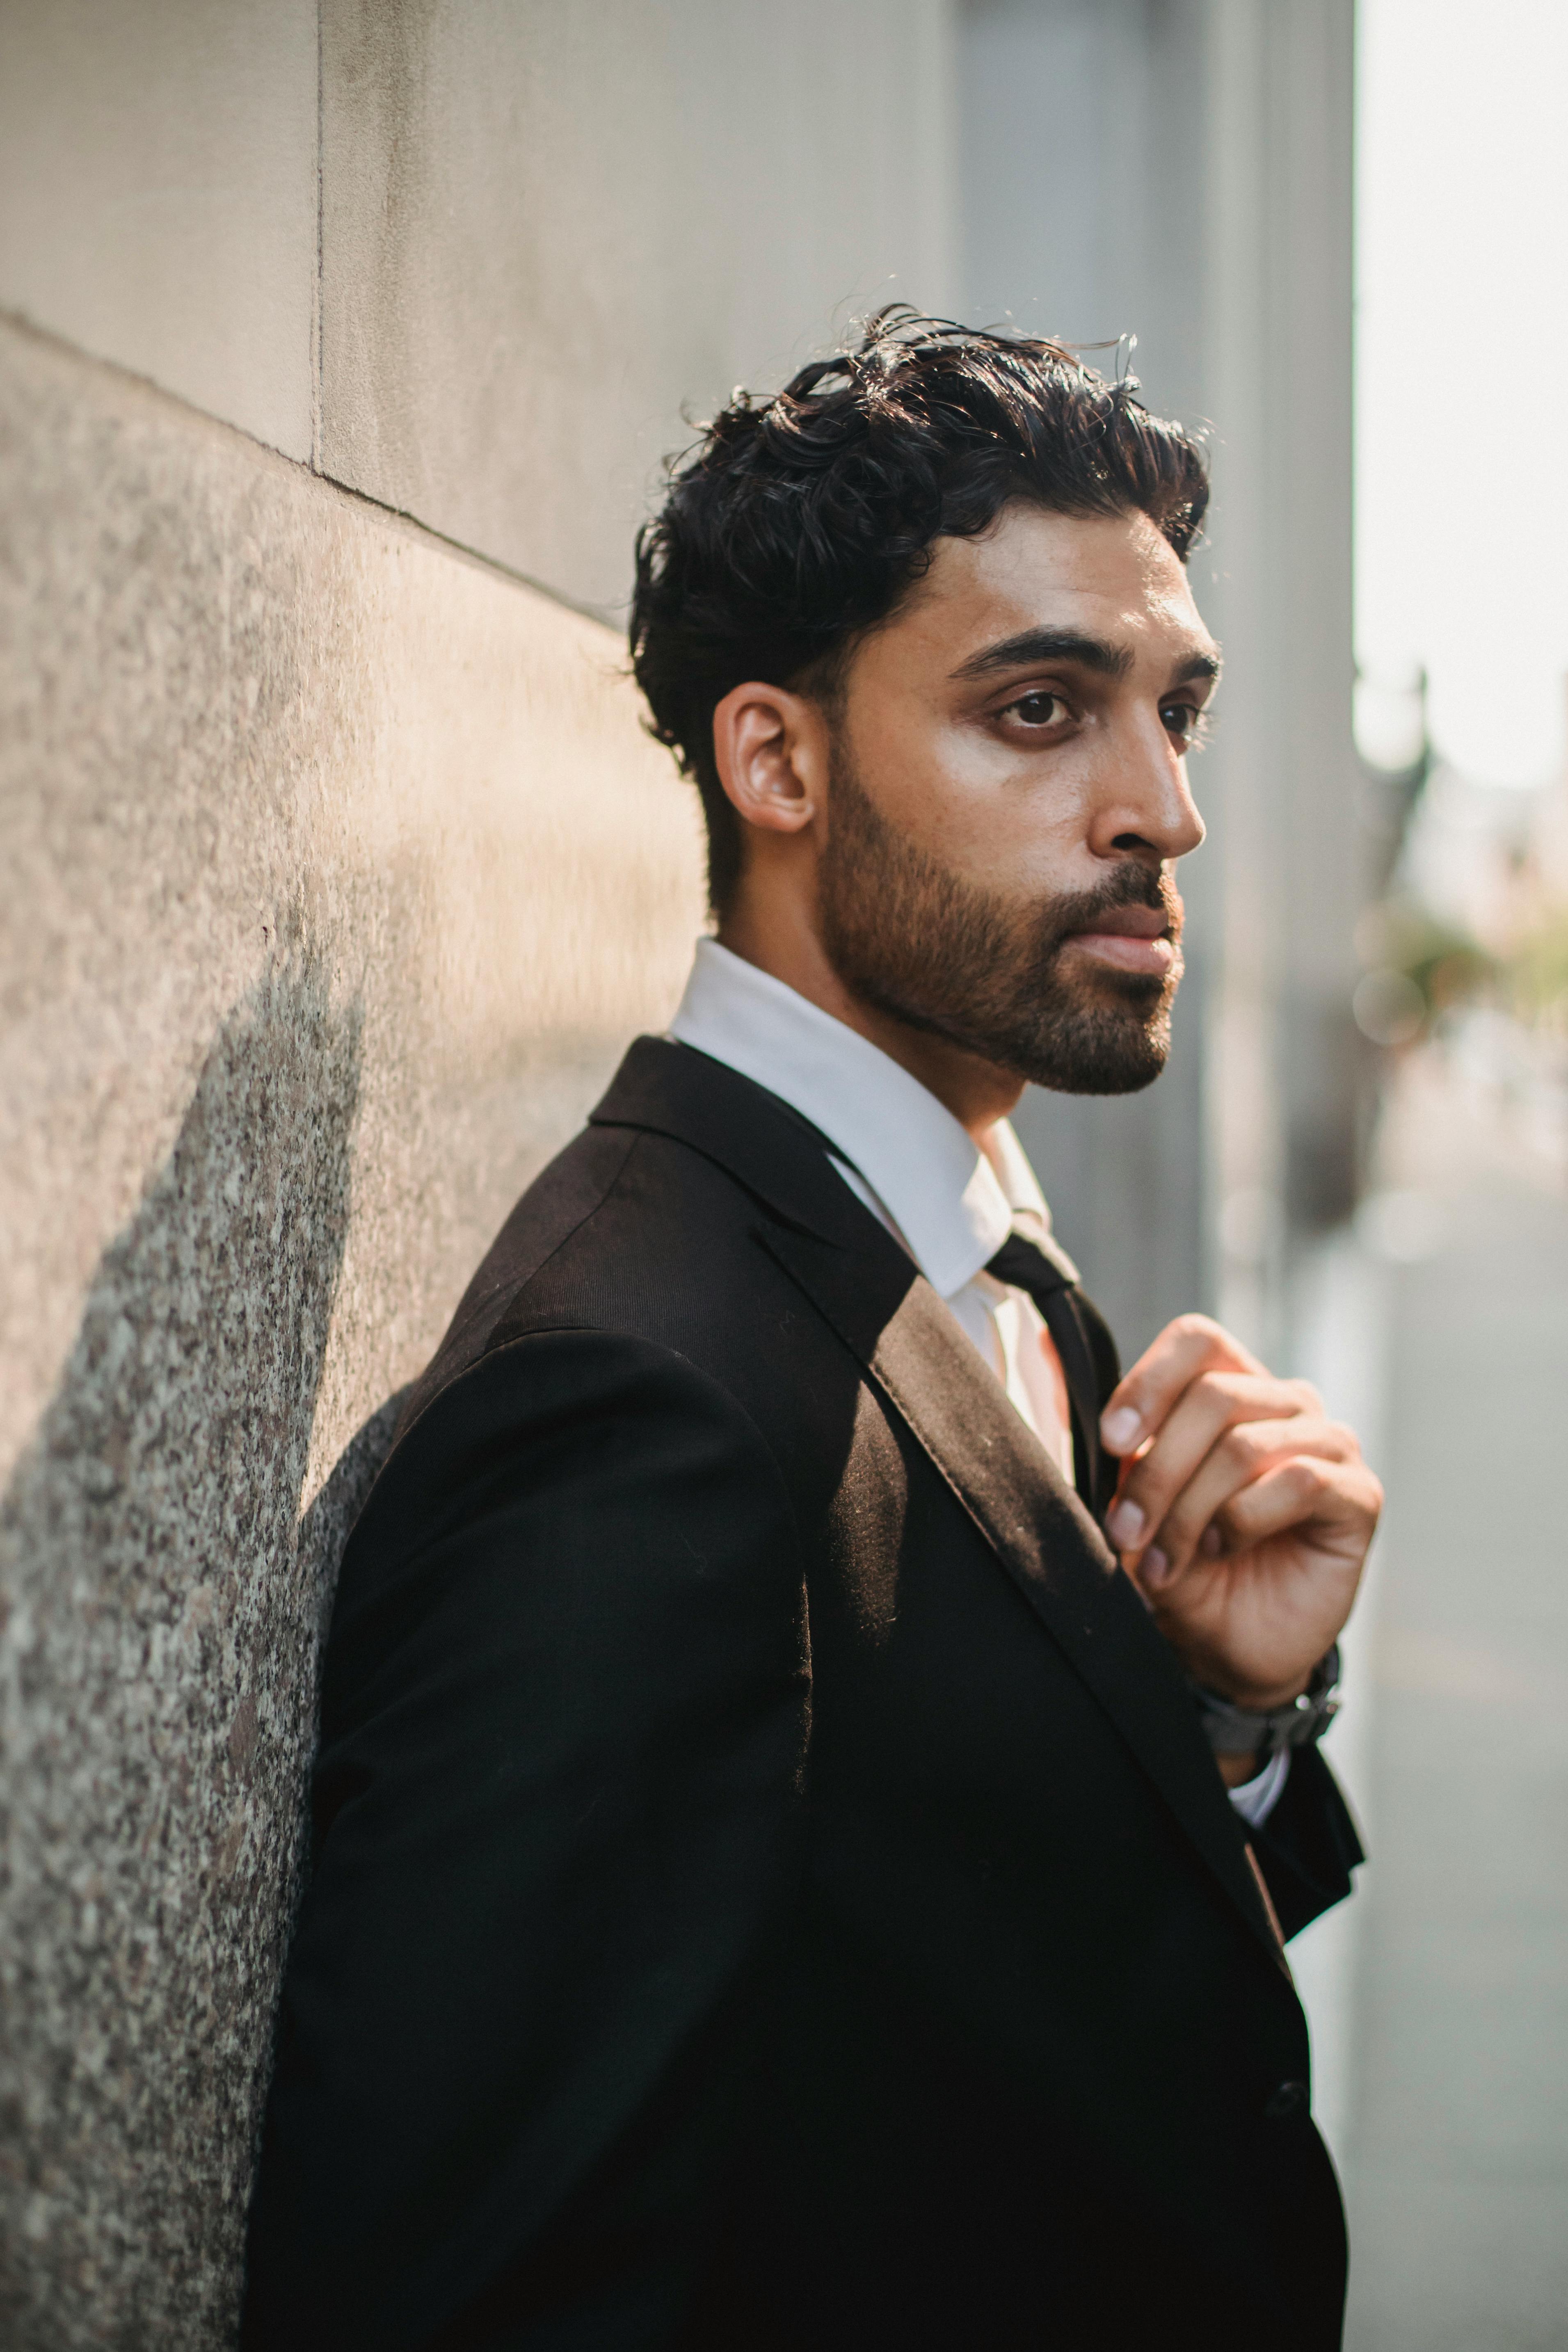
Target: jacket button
(1288,2101)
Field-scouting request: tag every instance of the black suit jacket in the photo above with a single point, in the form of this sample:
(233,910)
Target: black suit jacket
(769,1887)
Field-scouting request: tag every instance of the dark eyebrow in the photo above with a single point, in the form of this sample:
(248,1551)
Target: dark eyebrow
(1200,666)
(1096,654)
(1047,644)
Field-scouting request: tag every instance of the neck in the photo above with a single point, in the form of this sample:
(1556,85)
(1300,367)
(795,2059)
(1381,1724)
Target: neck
(779,941)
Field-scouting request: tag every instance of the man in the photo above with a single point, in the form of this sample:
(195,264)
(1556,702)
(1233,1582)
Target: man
(781,1880)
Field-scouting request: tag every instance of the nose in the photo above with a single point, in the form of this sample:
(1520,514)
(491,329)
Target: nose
(1146,801)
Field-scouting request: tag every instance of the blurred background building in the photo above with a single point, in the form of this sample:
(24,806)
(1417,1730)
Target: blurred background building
(1452,2096)
(341,342)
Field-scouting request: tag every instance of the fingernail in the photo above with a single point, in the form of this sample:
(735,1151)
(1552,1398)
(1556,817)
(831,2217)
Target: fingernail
(1126,1525)
(1120,1428)
(1156,1567)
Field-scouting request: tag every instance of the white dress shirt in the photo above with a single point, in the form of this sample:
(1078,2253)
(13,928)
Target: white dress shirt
(949,1203)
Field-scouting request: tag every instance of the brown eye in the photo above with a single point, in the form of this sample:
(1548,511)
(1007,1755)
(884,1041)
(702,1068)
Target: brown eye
(1039,709)
(1184,721)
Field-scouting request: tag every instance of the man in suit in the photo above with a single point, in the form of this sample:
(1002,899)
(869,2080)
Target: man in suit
(815,1768)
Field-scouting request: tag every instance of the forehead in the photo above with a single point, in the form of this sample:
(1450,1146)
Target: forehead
(1109,576)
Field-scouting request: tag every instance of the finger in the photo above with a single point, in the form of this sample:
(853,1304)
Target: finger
(1297,1540)
(1237,1461)
(1213,1403)
(1140,1399)
(1337,1503)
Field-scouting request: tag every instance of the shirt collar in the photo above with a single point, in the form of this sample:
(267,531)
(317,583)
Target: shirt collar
(949,1203)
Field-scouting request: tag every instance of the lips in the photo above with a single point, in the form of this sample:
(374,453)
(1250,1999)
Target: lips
(1130,939)
(1128,923)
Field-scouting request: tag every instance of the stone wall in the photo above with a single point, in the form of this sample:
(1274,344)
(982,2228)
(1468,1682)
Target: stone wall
(342,871)
(337,873)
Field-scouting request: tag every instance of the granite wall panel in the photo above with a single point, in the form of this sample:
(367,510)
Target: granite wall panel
(341,870)
(549,233)
(158,194)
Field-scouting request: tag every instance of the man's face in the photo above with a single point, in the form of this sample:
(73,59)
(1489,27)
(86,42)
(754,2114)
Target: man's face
(1007,793)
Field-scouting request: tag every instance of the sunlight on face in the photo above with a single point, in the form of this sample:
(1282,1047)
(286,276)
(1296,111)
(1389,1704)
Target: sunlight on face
(1008,795)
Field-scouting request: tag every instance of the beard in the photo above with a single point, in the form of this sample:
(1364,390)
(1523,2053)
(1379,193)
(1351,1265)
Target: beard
(912,937)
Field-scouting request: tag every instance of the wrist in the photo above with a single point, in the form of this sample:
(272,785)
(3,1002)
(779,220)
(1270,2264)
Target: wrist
(1248,1737)
(1211,1667)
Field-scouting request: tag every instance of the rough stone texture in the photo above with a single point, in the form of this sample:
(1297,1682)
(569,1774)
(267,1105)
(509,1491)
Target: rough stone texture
(548,231)
(162,1612)
(345,871)
(158,181)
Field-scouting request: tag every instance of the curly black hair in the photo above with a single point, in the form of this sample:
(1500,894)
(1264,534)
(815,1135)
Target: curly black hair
(798,521)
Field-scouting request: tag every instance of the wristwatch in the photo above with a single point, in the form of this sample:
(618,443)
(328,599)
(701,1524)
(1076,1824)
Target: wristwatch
(1233,1730)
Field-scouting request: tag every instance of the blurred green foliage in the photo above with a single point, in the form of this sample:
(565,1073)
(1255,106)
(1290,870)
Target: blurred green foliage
(1451,969)
(1445,964)
(1537,972)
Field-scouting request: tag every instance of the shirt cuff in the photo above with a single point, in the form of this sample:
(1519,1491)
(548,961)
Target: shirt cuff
(1256,1799)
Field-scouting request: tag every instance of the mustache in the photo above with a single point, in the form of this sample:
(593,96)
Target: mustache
(1131,886)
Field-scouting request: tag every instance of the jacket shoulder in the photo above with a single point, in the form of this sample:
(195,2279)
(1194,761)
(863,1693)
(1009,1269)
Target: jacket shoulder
(561,1198)
(627,1232)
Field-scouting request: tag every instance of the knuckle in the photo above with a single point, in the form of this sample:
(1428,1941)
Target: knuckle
(1231,1396)
(1201,1329)
(1244,1445)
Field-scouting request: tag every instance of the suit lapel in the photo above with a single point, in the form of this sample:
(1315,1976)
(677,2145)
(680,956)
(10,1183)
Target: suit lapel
(891,1320)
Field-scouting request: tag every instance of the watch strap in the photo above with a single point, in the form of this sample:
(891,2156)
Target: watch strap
(1233,1730)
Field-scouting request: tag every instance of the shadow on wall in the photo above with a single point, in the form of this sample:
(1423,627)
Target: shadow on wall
(161,1605)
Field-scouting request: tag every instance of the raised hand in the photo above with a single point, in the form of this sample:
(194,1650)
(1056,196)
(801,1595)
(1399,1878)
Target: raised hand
(1242,1513)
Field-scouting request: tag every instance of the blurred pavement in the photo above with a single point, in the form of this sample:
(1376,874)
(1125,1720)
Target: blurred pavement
(1439,1997)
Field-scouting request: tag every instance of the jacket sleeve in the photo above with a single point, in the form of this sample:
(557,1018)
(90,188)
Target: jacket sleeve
(557,1817)
(1308,1845)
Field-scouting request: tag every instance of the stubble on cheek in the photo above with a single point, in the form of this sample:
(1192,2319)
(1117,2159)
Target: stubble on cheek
(993,977)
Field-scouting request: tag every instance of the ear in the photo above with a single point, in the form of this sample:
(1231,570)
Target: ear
(770,748)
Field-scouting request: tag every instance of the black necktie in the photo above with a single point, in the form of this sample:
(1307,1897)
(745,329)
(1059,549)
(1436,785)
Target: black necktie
(1084,1345)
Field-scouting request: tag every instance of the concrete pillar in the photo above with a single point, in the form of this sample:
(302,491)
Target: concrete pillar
(1180,170)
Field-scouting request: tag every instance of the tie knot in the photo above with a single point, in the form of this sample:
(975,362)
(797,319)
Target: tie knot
(1040,1268)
